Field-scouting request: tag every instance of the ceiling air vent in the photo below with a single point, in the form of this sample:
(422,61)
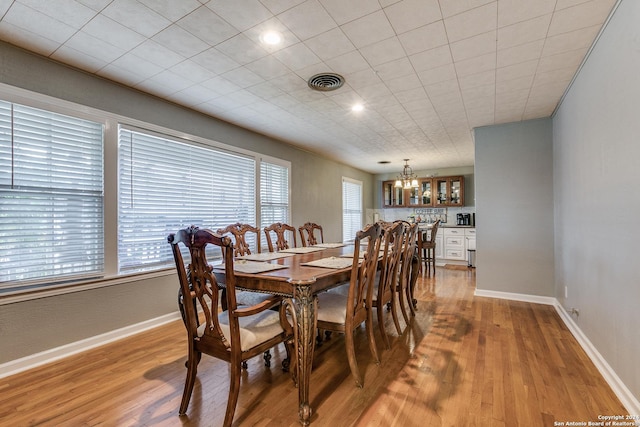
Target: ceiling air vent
(325,82)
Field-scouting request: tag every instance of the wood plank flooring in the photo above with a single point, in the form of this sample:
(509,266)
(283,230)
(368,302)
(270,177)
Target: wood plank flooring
(462,361)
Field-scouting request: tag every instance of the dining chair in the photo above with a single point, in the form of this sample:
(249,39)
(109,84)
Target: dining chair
(339,313)
(308,234)
(408,268)
(239,232)
(233,335)
(242,247)
(427,248)
(280,231)
(386,279)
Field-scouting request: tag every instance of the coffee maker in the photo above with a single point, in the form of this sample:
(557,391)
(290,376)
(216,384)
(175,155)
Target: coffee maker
(463,219)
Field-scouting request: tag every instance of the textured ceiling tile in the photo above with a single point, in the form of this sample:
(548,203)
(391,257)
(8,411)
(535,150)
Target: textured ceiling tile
(411,14)
(382,52)
(438,74)
(524,32)
(297,57)
(471,23)
(242,49)
(90,63)
(71,13)
(518,54)
(242,14)
(455,7)
(172,9)
(156,53)
(208,26)
(180,41)
(516,71)
(572,58)
(136,16)
(579,16)
(345,11)
(348,63)
(476,65)
(474,46)
(330,44)
(38,23)
(307,19)
(478,79)
(433,58)
(33,42)
(514,11)
(215,61)
(361,31)
(268,68)
(582,38)
(424,38)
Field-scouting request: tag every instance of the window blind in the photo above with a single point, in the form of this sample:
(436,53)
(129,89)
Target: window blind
(351,209)
(166,184)
(274,196)
(51,192)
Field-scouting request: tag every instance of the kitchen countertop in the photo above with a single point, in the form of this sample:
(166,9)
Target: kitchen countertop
(427,225)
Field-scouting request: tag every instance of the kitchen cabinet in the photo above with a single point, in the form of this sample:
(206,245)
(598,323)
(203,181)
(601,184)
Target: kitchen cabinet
(438,192)
(449,191)
(421,196)
(454,244)
(393,197)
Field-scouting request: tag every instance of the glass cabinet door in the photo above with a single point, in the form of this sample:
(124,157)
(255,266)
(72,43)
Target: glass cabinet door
(455,188)
(426,192)
(392,195)
(443,190)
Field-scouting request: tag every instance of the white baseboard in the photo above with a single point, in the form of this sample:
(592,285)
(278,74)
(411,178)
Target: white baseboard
(630,402)
(535,299)
(627,398)
(51,355)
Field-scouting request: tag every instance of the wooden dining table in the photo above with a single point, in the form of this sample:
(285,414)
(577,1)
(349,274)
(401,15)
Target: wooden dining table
(302,283)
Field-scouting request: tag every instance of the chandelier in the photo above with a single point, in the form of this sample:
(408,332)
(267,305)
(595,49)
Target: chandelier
(407,179)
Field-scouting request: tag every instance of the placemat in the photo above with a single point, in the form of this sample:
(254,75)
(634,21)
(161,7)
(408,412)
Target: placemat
(330,245)
(302,250)
(252,267)
(265,256)
(330,262)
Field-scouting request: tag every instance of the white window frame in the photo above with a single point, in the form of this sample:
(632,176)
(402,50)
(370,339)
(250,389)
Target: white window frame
(349,231)
(110,122)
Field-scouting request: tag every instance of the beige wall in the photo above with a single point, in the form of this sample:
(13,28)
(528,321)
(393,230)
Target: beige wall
(40,324)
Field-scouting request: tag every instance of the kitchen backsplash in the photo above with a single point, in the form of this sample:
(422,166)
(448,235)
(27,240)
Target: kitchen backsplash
(447,216)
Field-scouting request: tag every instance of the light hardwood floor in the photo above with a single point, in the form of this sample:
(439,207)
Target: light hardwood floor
(462,361)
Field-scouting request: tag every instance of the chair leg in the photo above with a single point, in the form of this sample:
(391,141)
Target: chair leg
(394,312)
(401,302)
(351,357)
(383,332)
(234,391)
(192,370)
(267,358)
(371,338)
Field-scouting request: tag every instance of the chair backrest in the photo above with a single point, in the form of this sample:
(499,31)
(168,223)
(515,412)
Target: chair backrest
(239,232)
(434,231)
(363,272)
(308,234)
(409,247)
(198,284)
(391,247)
(280,230)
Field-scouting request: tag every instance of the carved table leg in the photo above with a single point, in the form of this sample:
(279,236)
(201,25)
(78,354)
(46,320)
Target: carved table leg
(305,307)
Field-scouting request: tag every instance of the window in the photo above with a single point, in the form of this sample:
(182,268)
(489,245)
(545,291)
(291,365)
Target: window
(274,195)
(167,184)
(351,208)
(51,192)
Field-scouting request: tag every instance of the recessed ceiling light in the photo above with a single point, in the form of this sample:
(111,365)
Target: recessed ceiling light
(357,107)
(271,37)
